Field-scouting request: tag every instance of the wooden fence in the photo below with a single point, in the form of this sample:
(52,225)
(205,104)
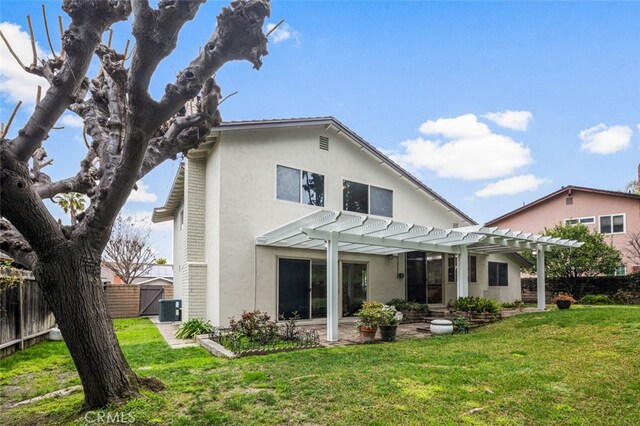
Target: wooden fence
(25,317)
(123,300)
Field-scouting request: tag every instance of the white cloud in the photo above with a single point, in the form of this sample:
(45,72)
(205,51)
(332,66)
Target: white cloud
(15,83)
(472,152)
(514,120)
(601,139)
(142,195)
(464,126)
(282,33)
(511,186)
(70,120)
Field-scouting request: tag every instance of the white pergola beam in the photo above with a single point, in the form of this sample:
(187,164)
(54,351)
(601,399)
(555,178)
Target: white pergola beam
(332,288)
(541,282)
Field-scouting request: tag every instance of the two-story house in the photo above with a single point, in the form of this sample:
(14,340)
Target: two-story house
(303,215)
(612,213)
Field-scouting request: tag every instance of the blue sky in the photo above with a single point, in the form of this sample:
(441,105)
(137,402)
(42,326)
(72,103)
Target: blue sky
(426,82)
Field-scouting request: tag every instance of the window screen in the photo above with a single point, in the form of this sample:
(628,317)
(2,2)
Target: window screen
(498,274)
(381,201)
(288,184)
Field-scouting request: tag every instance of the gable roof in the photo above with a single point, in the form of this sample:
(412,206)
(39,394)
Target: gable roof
(568,189)
(166,212)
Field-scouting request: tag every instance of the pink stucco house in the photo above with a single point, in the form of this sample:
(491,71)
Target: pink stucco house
(615,214)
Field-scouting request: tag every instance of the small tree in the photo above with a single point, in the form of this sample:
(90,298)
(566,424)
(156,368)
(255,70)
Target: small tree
(633,187)
(161,261)
(128,253)
(595,257)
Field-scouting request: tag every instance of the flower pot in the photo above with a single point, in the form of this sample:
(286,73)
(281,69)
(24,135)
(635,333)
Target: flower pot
(367,334)
(441,327)
(388,332)
(563,304)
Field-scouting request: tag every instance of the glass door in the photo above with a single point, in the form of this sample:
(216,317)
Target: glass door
(354,287)
(416,277)
(293,287)
(434,278)
(318,289)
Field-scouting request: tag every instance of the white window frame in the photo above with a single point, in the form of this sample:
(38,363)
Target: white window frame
(624,223)
(580,220)
(369,185)
(301,194)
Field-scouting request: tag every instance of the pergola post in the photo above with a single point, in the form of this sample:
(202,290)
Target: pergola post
(541,285)
(332,288)
(463,272)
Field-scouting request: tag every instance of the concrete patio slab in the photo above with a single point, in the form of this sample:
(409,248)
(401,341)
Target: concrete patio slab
(168,332)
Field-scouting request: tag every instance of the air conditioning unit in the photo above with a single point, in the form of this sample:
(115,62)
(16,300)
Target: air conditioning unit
(170,310)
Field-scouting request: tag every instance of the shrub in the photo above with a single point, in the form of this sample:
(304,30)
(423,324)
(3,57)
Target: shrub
(403,305)
(476,304)
(193,328)
(390,315)
(595,299)
(290,330)
(255,326)
(461,325)
(622,297)
(513,305)
(371,314)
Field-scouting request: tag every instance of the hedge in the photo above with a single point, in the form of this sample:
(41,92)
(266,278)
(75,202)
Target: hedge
(608,285)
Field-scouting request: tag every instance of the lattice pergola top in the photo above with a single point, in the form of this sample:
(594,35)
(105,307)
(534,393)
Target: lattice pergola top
(361,233)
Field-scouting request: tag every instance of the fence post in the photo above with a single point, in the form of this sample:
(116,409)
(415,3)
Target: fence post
(21,316)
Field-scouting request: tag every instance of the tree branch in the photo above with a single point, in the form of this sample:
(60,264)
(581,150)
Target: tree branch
(14,245)
(89,20)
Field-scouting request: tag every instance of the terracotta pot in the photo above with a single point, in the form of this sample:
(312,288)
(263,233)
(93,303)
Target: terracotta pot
(388,332)
(367,334)
(563,304)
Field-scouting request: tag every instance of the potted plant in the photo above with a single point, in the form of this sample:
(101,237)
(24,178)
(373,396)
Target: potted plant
(563,300)
(389,321)
(370,316)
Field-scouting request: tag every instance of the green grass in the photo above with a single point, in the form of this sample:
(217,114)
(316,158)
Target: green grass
(580,366)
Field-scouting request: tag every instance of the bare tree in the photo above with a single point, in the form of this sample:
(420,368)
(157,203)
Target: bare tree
(632,249)
(128,253)
(128,134)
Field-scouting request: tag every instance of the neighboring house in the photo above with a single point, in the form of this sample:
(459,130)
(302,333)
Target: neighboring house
(158,274)
(614,214)
(304,215)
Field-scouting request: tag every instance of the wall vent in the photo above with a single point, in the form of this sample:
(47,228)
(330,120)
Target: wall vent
(569,200)
(456,225)
(324,143)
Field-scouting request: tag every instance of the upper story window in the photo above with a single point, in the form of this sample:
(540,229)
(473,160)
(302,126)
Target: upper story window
(584,220)
(612,224)
(300,186)
(363,198)
(498,274)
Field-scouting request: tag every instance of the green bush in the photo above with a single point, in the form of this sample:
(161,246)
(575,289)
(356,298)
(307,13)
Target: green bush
(461,325)
(476,304)
(511,305)
(596,299)
(404,305)
(193,328)
(371,314)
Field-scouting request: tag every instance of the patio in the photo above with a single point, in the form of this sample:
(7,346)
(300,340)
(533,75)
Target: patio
(349,333)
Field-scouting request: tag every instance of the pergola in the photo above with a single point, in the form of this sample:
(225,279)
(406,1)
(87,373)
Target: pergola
(336,231)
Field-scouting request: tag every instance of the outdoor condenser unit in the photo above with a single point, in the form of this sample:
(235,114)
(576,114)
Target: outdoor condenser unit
(170,310)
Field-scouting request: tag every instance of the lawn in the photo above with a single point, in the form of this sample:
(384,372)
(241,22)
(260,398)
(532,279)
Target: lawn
(580,366)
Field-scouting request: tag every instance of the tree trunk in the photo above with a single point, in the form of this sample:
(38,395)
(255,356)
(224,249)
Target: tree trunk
(81,313)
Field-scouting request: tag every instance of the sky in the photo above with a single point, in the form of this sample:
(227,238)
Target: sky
(491,104)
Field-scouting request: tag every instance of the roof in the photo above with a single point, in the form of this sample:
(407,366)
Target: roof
(153,280)
(361,233)
(166,212)
(562,190)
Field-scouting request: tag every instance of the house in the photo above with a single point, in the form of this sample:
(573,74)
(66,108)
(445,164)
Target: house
(615,214)
(160,274)
(303,215)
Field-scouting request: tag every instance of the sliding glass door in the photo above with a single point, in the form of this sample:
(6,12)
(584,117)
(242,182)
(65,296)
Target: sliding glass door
(354,287)
(424,277)
(302,288)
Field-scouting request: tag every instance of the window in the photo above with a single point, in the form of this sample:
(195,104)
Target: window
(612,224)
(300,186)
(498,274)
(620,270)
(363,198)
(582,220)
(452,269)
